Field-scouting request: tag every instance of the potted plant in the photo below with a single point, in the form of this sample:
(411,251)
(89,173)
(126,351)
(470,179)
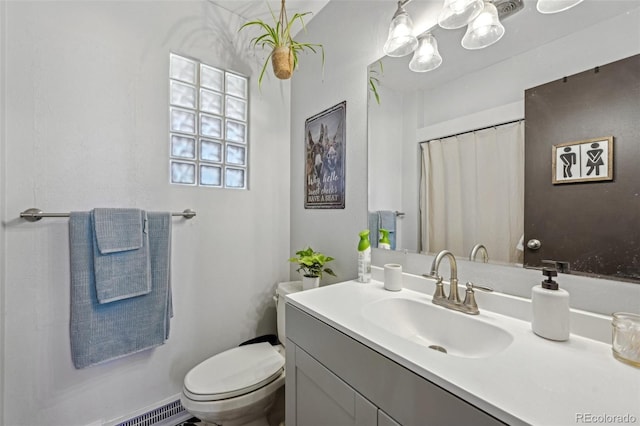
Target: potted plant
(311,265)
(284,49)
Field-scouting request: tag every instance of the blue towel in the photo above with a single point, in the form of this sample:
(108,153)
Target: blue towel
(388,222)
(118,229)
(103,332)
(373,229)
(120,254)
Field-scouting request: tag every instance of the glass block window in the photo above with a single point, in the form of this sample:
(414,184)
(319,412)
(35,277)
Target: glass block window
(208,125)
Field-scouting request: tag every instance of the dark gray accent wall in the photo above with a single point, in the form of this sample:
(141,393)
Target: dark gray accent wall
(593,225)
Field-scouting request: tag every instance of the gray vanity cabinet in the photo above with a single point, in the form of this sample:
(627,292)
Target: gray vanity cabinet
(334,380)
(321,398)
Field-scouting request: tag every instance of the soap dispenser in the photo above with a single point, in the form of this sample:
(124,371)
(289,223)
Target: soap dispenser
(384,242)
(364,257)
(550,304)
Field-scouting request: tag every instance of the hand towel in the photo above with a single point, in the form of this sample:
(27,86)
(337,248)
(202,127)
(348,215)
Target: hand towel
(118,229)
(103,332)
(388,222)
(121,271)
(373,229)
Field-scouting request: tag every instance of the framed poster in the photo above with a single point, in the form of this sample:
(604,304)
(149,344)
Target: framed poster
(583,161)
(324,186)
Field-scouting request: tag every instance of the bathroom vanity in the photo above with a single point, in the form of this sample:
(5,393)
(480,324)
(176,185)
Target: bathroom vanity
(357,354)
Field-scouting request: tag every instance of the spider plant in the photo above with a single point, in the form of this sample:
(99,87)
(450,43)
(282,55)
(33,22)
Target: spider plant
(374,81)
(278,36)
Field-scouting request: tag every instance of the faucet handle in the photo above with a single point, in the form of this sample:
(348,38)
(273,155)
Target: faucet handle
(470,305)
(471,286)
(434,276)
(439,293)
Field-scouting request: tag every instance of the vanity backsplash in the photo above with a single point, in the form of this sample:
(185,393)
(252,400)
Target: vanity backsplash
(602,296)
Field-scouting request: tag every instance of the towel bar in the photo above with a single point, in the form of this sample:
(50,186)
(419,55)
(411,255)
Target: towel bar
(34,214)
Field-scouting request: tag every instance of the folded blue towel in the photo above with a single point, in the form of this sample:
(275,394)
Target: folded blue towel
(102,332)
(388,222)
(118,229)
(120,271)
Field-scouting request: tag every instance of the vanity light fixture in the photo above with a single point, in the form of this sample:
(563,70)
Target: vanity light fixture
(401,40)
(555,6)
(483,27)
(426,57)
(458,13)
(485,30)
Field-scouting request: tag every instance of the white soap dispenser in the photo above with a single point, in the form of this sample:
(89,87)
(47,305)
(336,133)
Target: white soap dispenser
(550,306)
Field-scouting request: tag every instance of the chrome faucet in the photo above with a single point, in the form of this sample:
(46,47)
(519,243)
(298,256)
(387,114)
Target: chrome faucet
(475,250)
(438,297)
(469,305)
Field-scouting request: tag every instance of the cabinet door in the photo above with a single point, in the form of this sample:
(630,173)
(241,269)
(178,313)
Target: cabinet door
(385,420)
(322,399)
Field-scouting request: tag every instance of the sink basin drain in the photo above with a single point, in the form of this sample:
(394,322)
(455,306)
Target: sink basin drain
(438,348)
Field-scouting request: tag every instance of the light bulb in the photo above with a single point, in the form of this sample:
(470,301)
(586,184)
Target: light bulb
(401,40)
(458,13)
(426,57)
(485,30)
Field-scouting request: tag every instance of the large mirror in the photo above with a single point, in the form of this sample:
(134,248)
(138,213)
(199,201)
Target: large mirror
(475,89)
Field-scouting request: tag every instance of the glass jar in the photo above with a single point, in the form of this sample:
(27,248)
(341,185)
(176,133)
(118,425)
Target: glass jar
(625,342)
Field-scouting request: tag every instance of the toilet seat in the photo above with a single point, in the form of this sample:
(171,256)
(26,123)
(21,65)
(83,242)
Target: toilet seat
(234,372)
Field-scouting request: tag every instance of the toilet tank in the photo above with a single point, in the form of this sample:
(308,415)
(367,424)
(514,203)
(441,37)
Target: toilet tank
(282,290)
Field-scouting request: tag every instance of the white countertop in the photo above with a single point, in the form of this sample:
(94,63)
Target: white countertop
(533,381)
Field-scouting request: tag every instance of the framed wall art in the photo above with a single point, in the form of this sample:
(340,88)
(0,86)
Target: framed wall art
(324,186)
(583,161)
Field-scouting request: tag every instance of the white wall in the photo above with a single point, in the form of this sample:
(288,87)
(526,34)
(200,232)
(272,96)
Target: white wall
(3,180)
(391,150)
(352,33)
(385,157)
(85,125)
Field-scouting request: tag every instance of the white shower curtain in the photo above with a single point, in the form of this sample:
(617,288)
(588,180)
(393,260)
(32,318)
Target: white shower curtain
(472,192)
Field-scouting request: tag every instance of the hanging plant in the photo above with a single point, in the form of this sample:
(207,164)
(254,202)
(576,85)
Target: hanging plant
(283,48)
(374,81)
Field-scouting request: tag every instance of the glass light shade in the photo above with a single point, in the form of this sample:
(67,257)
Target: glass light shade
(485,30)
(401,40)
(426,57)
(555,6)
(458,13)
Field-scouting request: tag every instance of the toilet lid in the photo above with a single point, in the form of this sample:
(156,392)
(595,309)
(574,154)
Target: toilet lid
(234,372)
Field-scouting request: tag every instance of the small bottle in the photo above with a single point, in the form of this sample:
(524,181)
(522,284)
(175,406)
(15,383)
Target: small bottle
(384,242)
(364,257)
(550,305)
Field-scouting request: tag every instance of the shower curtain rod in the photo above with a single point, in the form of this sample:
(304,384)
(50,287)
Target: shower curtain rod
(474,130)
(34,214)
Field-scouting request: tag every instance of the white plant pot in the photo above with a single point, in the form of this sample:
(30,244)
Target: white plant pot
(310,282)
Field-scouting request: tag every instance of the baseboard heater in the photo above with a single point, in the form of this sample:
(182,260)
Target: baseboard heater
(165,413)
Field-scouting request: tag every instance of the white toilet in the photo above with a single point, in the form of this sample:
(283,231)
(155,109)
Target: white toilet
(238,386)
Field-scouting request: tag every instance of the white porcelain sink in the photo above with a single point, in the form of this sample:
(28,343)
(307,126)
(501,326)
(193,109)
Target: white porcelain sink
(437,327)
